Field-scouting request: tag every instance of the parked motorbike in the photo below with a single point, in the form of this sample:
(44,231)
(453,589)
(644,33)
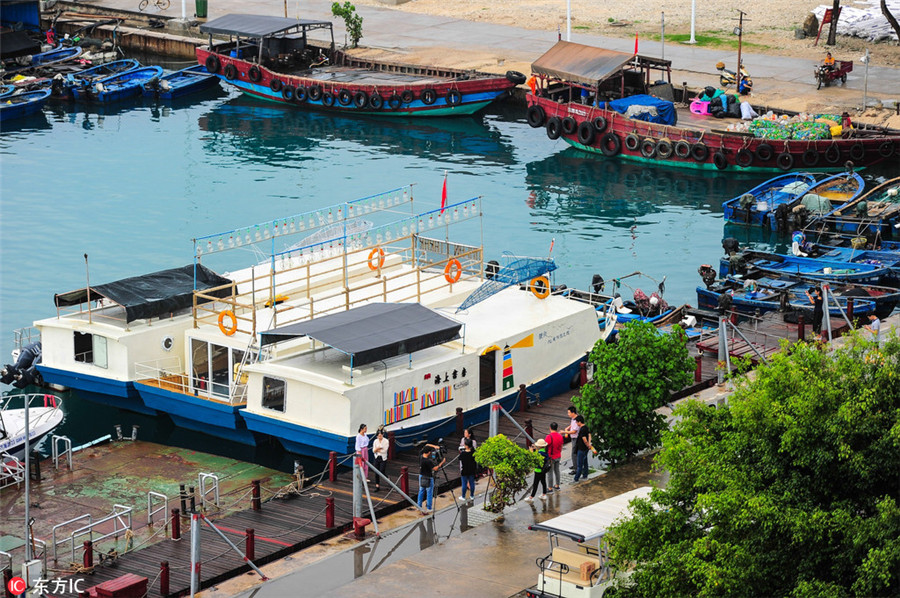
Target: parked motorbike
(727,78)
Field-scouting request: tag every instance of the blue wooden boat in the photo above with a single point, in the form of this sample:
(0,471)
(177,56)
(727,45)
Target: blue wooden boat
(180,83)
(57,55)
(875,212)
(818,200)
(118,87)
(62,86)
(753,207)
(22,104)
(7,90)
(863,267)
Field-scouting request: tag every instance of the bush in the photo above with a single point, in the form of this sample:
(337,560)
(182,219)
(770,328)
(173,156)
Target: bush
(510,466)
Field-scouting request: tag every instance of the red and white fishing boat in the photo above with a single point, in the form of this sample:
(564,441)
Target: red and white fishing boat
(271,58)
(572,84)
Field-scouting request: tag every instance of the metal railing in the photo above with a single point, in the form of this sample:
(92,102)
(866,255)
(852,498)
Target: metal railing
(62,525)
(67,452)
(12,471)
(206,483)
(23,337)
(151,511)
(119,511)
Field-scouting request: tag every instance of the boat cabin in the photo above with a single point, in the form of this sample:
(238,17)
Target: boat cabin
(274,42)
(577,565)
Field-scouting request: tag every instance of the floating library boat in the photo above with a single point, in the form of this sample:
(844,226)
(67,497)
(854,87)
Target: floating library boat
(270,58)
(596,100)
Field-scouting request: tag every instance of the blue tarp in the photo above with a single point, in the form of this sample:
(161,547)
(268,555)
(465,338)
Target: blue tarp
(660,111)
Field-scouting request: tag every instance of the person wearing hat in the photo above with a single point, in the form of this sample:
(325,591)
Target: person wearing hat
(540,472)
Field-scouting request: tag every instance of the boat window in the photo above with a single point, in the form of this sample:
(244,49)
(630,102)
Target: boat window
(487,375)
(100,359)
(199,366)
(219,372)
(273,393)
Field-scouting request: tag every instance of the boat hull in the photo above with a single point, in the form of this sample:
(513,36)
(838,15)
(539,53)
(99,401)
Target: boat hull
(181,83)
(452,96)
(198,414)
(807,154)
(863,306)
(106,391)
(26,104)
(766,198)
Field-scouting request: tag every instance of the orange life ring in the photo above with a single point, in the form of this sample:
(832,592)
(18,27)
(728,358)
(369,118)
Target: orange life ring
(227,331)
(456,268)
(544,291)
(377,251)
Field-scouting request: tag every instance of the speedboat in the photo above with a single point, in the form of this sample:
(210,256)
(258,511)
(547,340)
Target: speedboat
(44,414)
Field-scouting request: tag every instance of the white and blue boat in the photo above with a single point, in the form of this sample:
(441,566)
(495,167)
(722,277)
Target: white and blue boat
(174,85)
(818,200)
(119,86)
(753,207)
(62,85)
(22,104)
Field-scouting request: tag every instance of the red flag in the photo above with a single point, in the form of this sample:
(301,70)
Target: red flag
(635,44)
(444,194)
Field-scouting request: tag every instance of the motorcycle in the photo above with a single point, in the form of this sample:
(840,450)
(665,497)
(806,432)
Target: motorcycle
(727,78)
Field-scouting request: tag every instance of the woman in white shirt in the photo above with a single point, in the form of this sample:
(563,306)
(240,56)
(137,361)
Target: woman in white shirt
(362,449)
(380,450)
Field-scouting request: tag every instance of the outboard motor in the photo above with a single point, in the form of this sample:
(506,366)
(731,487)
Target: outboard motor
(597,284)
(737,264)
(781,216)
(730,245)
(24,371)
(708,274)
(724,304)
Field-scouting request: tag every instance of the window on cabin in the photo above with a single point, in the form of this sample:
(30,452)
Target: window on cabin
(273,394)
(91,348)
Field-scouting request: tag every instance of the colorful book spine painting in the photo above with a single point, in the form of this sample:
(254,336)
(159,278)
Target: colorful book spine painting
(441,395)
(404,406)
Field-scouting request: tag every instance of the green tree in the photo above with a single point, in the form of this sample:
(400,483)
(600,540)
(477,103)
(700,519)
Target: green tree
(352,21)
(790,490)
(509,466)
(632,378)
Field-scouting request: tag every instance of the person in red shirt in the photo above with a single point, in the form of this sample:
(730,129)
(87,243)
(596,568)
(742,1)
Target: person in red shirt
(554,451)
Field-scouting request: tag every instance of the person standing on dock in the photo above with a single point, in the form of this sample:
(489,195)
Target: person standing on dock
(582,446)
(818,301)
(571,430)
(467,435)
(426,477)
(468,468)
(380,449)
(540,472)
(874,326)
(362,449)
(554,449)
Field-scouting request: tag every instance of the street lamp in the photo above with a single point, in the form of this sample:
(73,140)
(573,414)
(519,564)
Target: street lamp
(568,20)
(693,40)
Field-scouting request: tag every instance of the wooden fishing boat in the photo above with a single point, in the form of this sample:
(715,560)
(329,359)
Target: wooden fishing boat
(762,292)
(877,212)
(863,267)
(753,207)
(270,58)
(570,95)
(119,86)
(180,83)
(58,55)
(22,104)
(62,85)
(819,199)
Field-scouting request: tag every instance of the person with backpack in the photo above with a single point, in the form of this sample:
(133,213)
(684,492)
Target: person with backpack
(540,472)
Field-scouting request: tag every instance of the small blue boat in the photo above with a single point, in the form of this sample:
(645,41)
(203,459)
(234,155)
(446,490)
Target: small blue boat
(117,87)
(753,207)
(22,104)
(861,267)
(55,56)
(878,211)
(174,85)
(62,86)
(818,200)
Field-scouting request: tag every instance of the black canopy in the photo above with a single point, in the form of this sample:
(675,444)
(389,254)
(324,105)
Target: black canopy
(17,43)
(375,331)
(259,26)
(154,294)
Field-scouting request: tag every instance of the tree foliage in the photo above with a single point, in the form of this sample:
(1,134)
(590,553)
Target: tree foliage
(632,378)
(790,490)
(352,21)
(510,466)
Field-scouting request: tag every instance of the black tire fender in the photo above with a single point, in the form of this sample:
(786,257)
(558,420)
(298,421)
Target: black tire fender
(315,92)
(664,149)
(764,152)
(288,93)
(569,125)
(744,157)
(407,96)
(376,102)
(361,99)
(784,161)
(600,124)
(720,160)
(344,97)
(254,74)
(327,98)
(810,157)
(699,152)
(276,85)
(648,147)
(515,77)
(632,141)
(586,133)
(554,127)
(231,72)
(428,97)
(535,116)
(833,154)
(394,101)
(212,64)
(610,145)
(682,148)
(300,94)
(857,151)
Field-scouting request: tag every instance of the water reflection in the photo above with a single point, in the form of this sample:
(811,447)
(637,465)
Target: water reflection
(275,134)
(25,125)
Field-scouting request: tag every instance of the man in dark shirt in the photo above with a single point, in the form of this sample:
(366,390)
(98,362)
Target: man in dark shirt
(582,446)
(426,476)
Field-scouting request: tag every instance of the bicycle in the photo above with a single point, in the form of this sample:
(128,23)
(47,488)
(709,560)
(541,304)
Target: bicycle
(160,4)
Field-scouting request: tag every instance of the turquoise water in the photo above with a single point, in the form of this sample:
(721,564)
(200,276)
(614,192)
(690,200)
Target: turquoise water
(131,185)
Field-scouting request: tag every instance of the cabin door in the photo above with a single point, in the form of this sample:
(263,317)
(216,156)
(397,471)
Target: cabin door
(213,369)
(487,375)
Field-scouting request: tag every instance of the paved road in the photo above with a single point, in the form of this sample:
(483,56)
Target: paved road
(389,28)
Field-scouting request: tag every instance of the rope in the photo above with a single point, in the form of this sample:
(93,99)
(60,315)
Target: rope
(151,584)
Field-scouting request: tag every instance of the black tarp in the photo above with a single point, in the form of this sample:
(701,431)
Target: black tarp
(373,332)
(17,43)
(152,295)
(258,26)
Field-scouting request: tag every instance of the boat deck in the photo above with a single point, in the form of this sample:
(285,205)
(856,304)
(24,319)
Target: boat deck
(356,76)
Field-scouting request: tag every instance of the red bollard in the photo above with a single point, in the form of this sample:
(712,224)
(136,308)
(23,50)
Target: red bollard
(523,398)
(850,308)
(529,430)
(88,553)
(7,577)
(256,500)
(404,479)
(582,374)
(250,545)
(176,524)
(392,446)
(332,465)
(329,512)
(801,328)
(460,422)
(698,369)
(164,578)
